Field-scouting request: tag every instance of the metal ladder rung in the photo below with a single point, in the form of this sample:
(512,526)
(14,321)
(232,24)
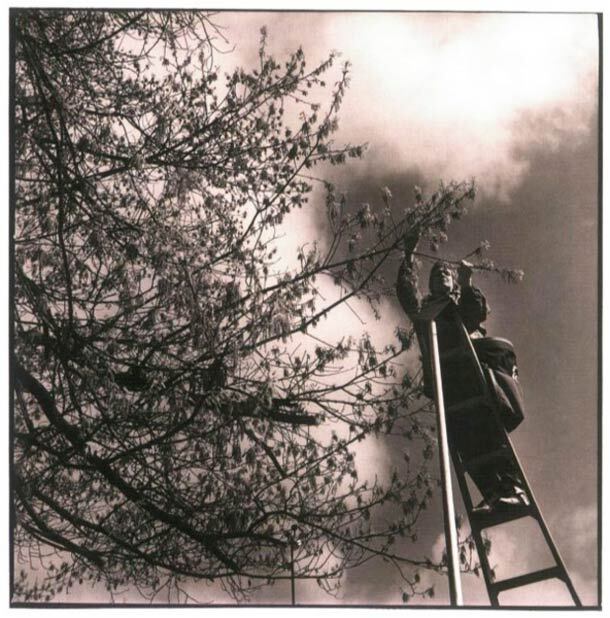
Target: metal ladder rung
(495,518)
(528,578)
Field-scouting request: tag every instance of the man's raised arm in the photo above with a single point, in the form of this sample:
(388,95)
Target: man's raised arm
(407,282)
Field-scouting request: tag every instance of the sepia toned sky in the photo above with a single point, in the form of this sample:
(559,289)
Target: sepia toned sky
(510,99)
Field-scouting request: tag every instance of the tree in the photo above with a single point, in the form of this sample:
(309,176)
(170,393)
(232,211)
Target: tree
(165,426)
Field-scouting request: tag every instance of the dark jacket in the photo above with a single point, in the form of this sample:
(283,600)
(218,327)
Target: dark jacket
(497,354)
(470,302)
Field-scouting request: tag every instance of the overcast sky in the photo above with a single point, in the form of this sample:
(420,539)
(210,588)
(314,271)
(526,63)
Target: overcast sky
(512,101)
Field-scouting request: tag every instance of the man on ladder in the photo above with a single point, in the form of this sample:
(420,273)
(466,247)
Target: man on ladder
(497,480)
(476,376)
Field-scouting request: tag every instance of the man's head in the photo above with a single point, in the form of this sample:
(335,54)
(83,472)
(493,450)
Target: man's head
(442,280)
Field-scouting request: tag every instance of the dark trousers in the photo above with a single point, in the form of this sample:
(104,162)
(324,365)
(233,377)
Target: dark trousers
(477,435)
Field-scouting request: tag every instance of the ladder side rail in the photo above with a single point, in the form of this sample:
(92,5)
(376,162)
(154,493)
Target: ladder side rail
(451,540)
(533,503)
(545,530)
(511,453)
(461,472)
(540,518)
(478,368)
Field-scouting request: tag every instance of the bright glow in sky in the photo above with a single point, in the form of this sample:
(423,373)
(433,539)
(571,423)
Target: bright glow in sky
(454,88)
(450,94)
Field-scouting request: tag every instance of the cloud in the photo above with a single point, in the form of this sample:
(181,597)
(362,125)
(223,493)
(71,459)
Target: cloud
(445,93)
(449,94)
(350,319)
(577,530)
(580,529)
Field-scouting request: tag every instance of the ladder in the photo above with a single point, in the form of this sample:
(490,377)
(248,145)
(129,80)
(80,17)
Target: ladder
(469,402)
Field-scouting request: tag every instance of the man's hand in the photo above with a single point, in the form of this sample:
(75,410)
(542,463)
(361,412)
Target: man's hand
(465,274)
